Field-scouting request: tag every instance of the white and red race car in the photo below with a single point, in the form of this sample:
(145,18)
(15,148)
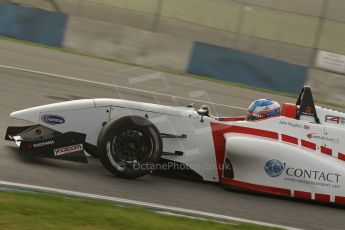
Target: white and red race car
(298,154)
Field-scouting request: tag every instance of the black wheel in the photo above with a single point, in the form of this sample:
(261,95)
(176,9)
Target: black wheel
(129,146)
(91,150)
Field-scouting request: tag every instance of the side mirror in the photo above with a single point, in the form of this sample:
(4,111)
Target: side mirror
(202,112)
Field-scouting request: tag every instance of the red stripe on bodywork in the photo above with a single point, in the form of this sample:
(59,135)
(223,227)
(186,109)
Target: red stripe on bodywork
(241,118)
(258,188)
(341,156)
(303,195)
(308,144)
(218,131)
(289,139)
(326,150)
(322,197)
(339,199)
(255,132)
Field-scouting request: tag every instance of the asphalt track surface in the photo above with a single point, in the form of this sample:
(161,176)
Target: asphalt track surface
(21,89)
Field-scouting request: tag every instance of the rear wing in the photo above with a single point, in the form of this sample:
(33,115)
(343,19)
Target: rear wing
(306,104)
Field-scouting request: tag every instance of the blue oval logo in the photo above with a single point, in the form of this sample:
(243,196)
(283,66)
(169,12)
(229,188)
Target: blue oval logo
(53,119)
(274,168)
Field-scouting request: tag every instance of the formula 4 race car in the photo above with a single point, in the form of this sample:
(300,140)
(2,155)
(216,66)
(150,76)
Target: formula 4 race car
(298,154)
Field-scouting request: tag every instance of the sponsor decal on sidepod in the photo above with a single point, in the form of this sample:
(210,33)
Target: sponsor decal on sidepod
(316,136)
(294,125)
(53,119)
(43,144)
(68,149)
(335,119)
(275,168)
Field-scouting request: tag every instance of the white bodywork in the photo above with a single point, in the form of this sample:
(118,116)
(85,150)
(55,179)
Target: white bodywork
(88,116)
(248,151)
(305,170)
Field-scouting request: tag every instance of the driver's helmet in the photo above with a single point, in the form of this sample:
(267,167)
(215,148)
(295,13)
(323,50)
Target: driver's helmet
(263,108)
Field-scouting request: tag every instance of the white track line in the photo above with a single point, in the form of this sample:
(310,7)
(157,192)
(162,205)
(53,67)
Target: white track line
(112,85)
(126,201)
(183,211)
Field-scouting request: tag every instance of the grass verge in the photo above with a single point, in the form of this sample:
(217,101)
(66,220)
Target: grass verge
(178,73)
(23,210)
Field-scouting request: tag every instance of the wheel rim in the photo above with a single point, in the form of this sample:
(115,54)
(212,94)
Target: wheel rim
(129,148)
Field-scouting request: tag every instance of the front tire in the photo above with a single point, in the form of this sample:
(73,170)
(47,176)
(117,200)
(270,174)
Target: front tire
(129,146)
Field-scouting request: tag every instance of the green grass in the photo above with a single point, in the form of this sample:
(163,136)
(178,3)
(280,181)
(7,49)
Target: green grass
(24,211)
(256,21)
(279,26)
(333,38)
(220,14)
(247,19)
(146,6)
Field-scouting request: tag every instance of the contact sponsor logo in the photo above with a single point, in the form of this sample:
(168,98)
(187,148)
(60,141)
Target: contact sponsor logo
(335,119)
(51,142)
(52,119)
(276,168)
(318,137)
(68,149)
(294,125)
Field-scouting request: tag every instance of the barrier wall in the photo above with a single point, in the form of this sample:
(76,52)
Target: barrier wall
(128,44)
(32,24)
(253,70)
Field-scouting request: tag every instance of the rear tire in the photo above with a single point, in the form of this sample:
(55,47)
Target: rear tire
(128,147)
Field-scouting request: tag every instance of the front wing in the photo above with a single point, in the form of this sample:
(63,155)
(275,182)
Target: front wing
(64,146)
